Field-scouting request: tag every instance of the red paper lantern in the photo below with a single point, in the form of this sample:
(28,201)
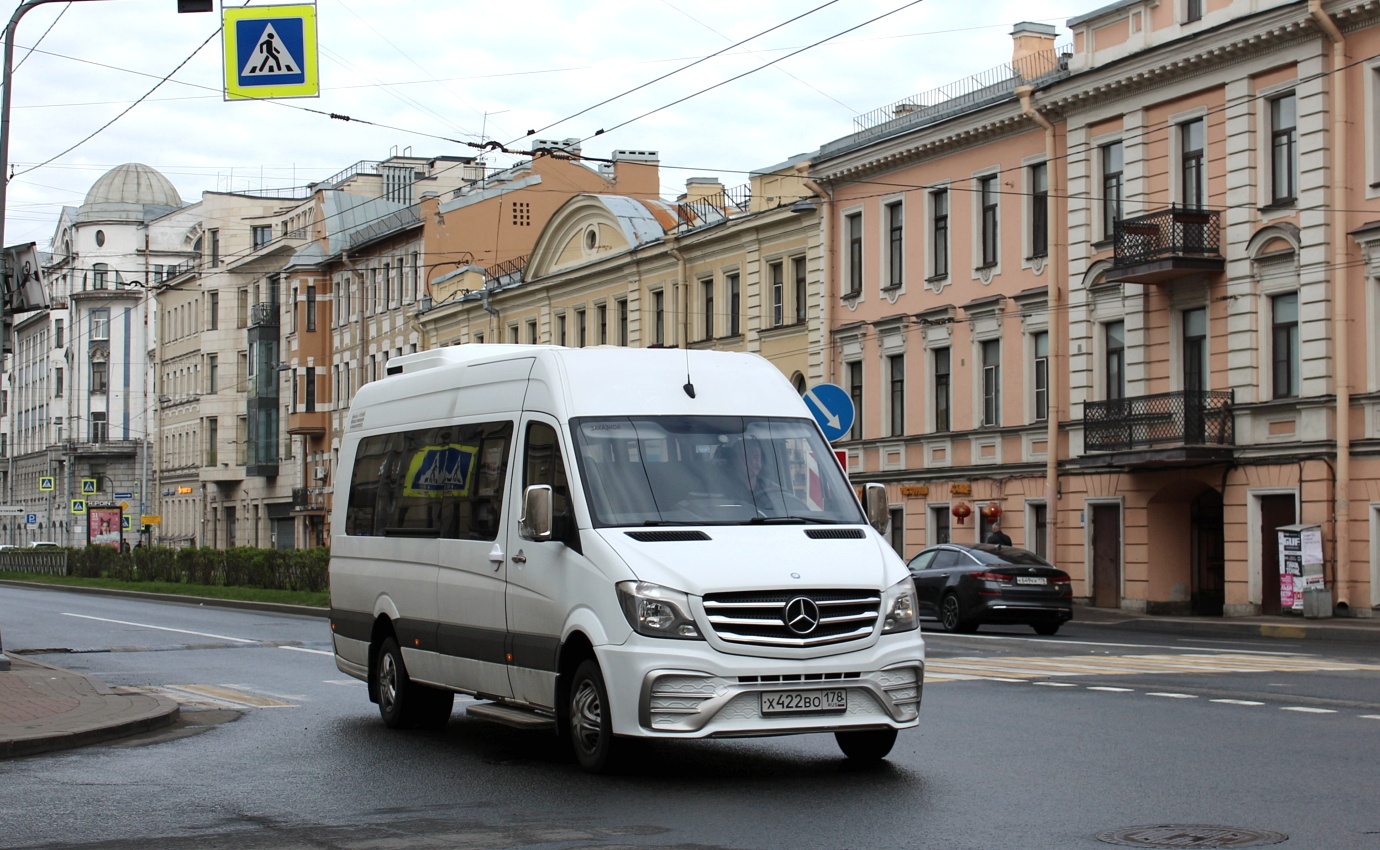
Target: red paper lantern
(991,510)
(962,511)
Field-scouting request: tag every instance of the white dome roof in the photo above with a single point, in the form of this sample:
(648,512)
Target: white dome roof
(124,191)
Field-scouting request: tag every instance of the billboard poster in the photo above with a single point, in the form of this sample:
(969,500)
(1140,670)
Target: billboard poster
(1290,570)
(103,526)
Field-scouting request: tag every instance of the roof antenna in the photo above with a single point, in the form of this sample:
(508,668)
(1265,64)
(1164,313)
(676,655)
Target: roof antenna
(689,387)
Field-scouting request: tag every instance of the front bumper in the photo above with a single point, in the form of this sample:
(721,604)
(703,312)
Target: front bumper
(707,694)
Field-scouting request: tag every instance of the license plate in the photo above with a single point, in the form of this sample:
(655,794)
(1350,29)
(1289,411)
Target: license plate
(805,702)
(1031,580)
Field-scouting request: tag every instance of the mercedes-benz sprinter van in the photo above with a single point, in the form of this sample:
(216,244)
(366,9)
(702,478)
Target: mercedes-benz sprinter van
(613,543)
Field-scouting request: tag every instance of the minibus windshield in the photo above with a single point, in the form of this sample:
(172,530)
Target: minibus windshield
(710,470)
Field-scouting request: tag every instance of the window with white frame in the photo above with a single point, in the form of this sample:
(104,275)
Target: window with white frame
(896,367)
(895,243)
(1114,360)
(853,233)
(1194,349)
(991,381)
(987,223)
(1039,374)
(1193,163)
(1113,166)
(940,388)
(1284,345)
(1039,210)
(100,323)
(939,233)
(777,273)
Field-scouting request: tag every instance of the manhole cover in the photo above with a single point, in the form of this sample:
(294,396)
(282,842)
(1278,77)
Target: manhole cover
(1190,835)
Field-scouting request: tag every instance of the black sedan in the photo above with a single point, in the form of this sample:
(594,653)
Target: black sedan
(965,586)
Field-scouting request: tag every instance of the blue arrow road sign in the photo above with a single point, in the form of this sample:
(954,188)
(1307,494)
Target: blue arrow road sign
(832,408)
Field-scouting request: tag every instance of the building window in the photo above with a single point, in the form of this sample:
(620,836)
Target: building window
(855,254)
(855,392)
(100,323)
(513,334)
(99,432)
(1284,164)
(531,331)
(581,328)
(659,317)
(212,374)
(896,530)
(622,321)
(57,382)
(987,196)
(262,235)
(939,232)
(311,307)
(1195,349)
(939,524)
(57,333)
(1113,167)
(1193,11)
(1114,364)
(942,377)
(897,366)
(311,389)
(99,273)
(798,272)
(213,309)
(215,248)
(1192,174)
(1285,345)
(602,315)
(778,294)
(1039,525)
(735,304)
(1040,349)
(560,329)
(1039,210)
(707,298)
(991,382)
(895,256)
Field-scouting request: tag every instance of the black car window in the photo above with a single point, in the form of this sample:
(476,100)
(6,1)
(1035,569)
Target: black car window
(944,558)
(1007,555)
(921,561)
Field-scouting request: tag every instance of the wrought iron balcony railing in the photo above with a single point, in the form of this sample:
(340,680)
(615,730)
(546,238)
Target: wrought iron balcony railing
(1184,418)
(1168,234)
(265,314)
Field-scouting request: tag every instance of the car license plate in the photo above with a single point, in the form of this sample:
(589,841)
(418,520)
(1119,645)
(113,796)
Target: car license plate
(1031,580)
(833,701)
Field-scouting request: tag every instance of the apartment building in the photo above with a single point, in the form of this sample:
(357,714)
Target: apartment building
(1112,289)
(80,380)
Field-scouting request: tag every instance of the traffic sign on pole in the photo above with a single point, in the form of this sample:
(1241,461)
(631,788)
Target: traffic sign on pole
(88,486)
(31,519)
(78,506)
(47,482)
(269,52)
(832,409)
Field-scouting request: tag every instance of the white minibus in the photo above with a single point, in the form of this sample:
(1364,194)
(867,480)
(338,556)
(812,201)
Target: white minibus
(612,543)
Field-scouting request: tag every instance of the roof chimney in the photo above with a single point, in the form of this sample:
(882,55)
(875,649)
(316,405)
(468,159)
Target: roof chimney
(1032,49)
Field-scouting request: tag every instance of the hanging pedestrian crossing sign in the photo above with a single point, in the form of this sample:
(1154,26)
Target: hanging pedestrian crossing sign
(46,482)
(78,506)
(269,52)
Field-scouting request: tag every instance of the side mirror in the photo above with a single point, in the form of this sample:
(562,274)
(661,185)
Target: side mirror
(875,502)
(535,523)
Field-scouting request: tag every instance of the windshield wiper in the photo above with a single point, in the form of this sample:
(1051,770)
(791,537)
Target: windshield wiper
(790,520)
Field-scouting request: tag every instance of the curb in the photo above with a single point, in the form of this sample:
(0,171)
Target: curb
(200,601)
(1283,629)
(165,712)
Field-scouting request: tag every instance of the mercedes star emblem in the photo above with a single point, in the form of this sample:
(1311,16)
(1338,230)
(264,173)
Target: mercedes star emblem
(801,615)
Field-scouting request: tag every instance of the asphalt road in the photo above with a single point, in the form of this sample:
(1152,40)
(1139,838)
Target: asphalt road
(1025,742)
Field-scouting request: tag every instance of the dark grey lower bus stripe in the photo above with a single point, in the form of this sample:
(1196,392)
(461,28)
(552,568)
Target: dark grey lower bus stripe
(355,625)
(535,652)
(470,642)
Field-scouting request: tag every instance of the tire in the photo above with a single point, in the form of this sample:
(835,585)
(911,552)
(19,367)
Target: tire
(590,726)
(1046,628)
(403,704)
(951,616)
(867,744)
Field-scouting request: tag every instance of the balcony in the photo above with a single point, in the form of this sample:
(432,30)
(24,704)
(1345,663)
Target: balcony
(308,500)
(264,315)
(1165,245)
(1189,427)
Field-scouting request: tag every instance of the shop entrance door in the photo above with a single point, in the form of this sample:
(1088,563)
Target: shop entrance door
(1274,512)
(1106,546)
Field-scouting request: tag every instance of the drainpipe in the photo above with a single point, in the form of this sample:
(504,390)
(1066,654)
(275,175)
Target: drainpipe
(682,297)
(1056,349)
(1341,331)
(826,275)
(494,329)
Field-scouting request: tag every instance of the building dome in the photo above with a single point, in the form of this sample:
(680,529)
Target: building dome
(129,192)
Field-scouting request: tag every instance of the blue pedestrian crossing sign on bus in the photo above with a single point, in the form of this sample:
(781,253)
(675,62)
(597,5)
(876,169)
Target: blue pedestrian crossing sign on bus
(832,408)
(270,52)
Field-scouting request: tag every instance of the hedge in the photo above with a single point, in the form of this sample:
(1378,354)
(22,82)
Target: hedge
(242,566)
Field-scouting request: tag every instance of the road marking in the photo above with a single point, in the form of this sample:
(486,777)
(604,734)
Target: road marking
(1001,668)
(1110,689)
(341,682)
(1308,710)
(161,628)
(1371,716)
(1065,642)
(1172,696)
(232,696)
(1237,701)
(304,649)
(1056,684)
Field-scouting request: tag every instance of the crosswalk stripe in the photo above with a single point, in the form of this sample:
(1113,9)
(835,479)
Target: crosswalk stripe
(1021,668)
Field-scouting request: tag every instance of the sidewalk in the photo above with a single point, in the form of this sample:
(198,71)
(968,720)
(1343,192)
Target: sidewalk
(1350,629)
(45,708)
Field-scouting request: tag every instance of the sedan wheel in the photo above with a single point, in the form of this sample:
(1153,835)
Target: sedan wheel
(951,616)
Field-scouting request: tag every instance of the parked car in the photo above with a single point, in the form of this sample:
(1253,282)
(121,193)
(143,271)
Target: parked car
(44,544)
(965,586)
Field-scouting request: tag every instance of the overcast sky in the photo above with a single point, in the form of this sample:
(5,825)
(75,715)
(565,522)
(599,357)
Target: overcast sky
(430,70)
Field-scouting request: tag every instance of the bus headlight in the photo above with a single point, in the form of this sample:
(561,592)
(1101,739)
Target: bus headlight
(657,611)
(898,608)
